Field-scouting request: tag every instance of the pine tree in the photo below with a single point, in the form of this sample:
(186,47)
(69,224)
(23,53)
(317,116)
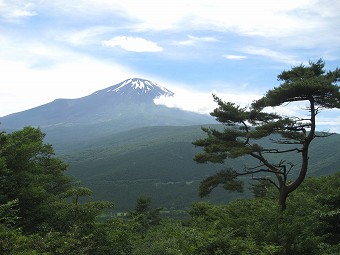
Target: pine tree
(247,127)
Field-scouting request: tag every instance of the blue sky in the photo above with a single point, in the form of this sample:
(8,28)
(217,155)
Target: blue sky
(69,49)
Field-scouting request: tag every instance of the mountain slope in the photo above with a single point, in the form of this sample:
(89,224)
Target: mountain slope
(124,106)
(128,104)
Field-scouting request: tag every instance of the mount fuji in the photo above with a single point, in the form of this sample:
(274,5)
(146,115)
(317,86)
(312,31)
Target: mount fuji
(124,106)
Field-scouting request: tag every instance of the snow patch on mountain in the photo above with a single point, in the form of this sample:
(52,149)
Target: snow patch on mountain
(138,86)
(141,84)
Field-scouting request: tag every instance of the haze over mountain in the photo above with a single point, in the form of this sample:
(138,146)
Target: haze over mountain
(132,99)
(158,162)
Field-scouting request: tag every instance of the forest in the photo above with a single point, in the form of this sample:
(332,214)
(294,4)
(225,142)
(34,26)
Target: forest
(44,211)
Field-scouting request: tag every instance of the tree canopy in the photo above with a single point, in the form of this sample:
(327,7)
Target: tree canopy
(245,126)
(30,175)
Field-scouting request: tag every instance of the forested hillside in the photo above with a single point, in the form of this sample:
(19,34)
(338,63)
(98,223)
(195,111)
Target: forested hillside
(43,212)
(158,162)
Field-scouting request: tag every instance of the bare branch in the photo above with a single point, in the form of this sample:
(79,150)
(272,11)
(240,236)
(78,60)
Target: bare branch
(267,179)
(247,131)
(268,151)
(288,141)
(256,172)
(291,167)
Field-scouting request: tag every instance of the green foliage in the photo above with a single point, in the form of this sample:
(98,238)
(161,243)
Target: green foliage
(114,237)
(226,177)
(261,188)
(300,229)
(144,215)
(35,198)
(8,213)
(13,242)
(326,192)
(305,83)
(73,242)
(76,215)
(30,175)
(200,236)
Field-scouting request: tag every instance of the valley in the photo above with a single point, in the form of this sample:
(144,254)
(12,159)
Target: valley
(158,162)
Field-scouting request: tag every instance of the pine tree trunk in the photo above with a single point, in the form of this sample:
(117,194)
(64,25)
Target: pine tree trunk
(282,198)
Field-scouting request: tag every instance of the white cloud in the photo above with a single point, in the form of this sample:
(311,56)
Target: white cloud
(273,55)
(234,57)
(194,40)
(13,11)
(24,87)
(329,120)
(202,102)
(265,18)
(329,124)
(189,101)
(135,44)
(81,37)
(287,23)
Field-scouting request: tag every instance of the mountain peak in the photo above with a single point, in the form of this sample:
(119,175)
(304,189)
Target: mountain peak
(137,86)
(126,105)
